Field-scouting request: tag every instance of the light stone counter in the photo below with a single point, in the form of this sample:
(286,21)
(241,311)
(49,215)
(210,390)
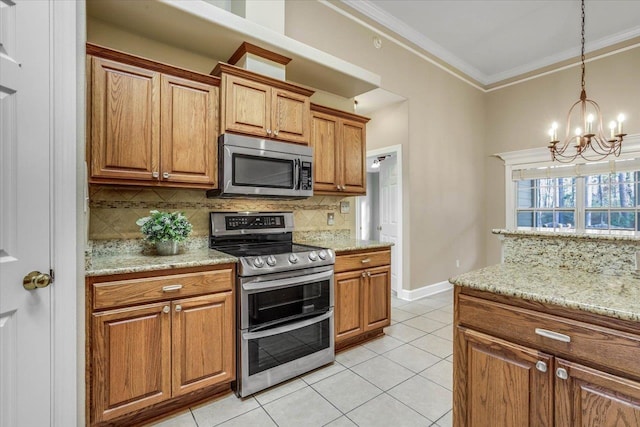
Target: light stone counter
(132,256)
(344,245)
(611,295)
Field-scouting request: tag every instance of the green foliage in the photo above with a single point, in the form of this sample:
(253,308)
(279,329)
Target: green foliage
(164,226)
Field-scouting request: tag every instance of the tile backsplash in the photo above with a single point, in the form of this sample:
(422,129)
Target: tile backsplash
(114,210)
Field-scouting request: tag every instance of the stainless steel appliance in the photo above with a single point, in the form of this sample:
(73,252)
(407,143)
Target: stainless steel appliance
(254,167)
(284,298)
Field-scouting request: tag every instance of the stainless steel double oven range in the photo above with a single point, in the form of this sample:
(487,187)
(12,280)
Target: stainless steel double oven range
(284,298)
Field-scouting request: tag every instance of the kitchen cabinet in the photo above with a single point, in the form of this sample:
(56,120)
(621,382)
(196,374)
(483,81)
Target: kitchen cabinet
(362,300)
(153,340)
(148,127)
(339,141)
(523,364)
(258,105)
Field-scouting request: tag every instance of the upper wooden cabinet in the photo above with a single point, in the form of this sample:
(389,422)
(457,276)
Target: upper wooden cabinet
(339,142)
(257,105)
(148,127)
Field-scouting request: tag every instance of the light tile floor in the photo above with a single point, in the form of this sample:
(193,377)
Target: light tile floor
(401,379)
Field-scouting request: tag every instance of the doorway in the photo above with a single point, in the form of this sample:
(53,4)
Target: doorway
(379,213)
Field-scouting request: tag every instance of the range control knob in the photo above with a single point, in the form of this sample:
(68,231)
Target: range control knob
(293,258)
(322,254)
(258,262)
(313,256)
(271,260)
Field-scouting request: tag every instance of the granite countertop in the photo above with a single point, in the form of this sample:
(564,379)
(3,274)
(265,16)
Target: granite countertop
(610,295)
(344,245)
(567,234)
(119,257)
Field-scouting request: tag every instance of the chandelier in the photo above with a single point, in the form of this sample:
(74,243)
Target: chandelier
(588,140)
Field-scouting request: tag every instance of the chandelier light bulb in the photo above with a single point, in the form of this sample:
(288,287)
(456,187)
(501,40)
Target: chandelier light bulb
(612,128)
(578,131)
(620,120)
(590,124)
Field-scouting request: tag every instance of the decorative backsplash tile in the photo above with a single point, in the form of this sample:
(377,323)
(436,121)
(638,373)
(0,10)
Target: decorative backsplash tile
(596,254)
(114,210)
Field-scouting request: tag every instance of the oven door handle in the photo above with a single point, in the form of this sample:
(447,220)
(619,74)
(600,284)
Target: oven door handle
(283,283)
(287,328)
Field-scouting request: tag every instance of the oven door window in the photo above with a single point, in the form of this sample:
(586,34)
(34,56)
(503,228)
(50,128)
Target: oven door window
(274,350)
(262,171)
(283,305)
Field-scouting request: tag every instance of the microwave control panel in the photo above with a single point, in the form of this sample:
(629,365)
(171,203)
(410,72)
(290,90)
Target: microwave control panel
(306,177)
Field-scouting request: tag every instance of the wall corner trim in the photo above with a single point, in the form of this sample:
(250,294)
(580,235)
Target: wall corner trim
(424,291)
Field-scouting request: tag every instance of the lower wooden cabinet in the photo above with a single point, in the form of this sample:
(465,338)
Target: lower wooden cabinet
(143,355)
(362,296)
(512,367)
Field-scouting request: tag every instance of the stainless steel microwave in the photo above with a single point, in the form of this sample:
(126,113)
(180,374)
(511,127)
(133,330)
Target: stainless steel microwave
(255,167)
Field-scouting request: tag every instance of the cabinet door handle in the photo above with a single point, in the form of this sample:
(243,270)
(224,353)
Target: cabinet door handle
(166,175)
(276,133)
(553,335)
(562,373)
(541,366)
(155,174)
(368,274)
(366,260)
(178,308)
(364,274)
(166,309)
(268,131)
(171,288)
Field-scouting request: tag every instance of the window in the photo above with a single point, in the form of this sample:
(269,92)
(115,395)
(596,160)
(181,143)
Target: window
(546,202)
(598,197)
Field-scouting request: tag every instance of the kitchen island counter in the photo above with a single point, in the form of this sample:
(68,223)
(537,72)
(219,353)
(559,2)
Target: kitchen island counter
(616,296)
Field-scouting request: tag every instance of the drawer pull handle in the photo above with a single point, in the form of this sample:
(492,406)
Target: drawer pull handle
(541,366)
(553,335)
(171,288)
(366,260)
(562,373)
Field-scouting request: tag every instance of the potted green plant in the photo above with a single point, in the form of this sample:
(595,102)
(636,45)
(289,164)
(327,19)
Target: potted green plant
(165,229)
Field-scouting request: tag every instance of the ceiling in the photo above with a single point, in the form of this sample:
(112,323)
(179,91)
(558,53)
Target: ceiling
(492,41)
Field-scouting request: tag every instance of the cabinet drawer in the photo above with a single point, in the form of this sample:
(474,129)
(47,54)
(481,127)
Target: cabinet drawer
(134,291)
(607,348)
(362,260)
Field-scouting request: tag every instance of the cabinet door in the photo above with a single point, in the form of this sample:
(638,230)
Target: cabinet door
(377,298)
(498,383)
(290,116)
(189,132)
(203,342)
(131,360)
(348,302)
(247,106)
(354,172)
(125,121)
(588,397)
(324,140)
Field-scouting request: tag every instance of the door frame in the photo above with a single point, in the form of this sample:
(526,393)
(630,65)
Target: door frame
(397,151)
(66,212)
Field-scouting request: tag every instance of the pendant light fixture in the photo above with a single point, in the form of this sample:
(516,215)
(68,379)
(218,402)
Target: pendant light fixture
(587,140)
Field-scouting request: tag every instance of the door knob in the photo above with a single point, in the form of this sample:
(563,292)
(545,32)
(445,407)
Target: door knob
(35,279)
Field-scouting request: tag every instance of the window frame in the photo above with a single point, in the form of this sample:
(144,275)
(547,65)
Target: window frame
(540,158)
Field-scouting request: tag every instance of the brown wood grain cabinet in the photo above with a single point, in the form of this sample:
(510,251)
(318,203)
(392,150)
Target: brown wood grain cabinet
(530,364)
(362,296)
(339,142)
(257,105)
(150,348)
(148,127)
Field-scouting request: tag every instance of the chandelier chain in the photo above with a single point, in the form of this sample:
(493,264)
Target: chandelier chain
(582,40)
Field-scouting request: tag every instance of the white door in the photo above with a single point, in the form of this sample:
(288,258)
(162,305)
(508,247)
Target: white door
(389,214)
(25,336)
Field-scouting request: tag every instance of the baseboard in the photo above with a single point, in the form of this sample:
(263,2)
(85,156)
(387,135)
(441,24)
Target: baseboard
(424,291)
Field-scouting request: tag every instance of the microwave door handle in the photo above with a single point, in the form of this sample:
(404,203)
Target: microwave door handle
(296,174)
